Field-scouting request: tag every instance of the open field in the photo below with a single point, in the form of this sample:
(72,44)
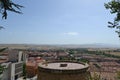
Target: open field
(114,53)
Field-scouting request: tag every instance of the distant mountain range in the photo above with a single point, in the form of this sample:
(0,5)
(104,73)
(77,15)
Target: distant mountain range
(98,45)
(95,45)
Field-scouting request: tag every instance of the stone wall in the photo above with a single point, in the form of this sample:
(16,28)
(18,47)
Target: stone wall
(49,74)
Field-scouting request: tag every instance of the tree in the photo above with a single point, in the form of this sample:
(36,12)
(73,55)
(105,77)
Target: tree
(95,76)
(2,68)
(8,5)
(1,27)
(24,70)
(114,7)
(118,74)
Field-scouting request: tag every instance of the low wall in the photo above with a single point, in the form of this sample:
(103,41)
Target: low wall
(56,74)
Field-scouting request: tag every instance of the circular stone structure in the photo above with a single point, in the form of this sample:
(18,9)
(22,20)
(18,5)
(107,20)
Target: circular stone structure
(62,71)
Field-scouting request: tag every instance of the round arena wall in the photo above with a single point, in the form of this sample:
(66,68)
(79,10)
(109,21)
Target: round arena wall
(64,70)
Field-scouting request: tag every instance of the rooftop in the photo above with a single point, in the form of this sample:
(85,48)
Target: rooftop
(63,65)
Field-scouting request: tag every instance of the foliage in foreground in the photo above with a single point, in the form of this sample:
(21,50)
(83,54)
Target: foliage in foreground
(2,68)
(114,7)
(8,5)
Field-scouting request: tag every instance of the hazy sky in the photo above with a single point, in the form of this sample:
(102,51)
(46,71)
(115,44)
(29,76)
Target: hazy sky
(59,22)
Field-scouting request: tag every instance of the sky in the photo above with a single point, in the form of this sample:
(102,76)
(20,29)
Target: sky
(59,22)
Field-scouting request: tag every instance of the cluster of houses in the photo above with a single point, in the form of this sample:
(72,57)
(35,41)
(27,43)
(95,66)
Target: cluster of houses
(13,60)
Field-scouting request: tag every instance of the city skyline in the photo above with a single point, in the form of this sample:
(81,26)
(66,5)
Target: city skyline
(59,22)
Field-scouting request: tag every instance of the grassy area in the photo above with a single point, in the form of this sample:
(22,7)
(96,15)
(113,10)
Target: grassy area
(114,53)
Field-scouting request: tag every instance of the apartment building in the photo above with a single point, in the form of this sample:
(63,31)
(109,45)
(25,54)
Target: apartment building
(14,65)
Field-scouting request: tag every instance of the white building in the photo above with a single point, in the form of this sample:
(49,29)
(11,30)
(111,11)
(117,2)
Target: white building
(17,56)
(14,67)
